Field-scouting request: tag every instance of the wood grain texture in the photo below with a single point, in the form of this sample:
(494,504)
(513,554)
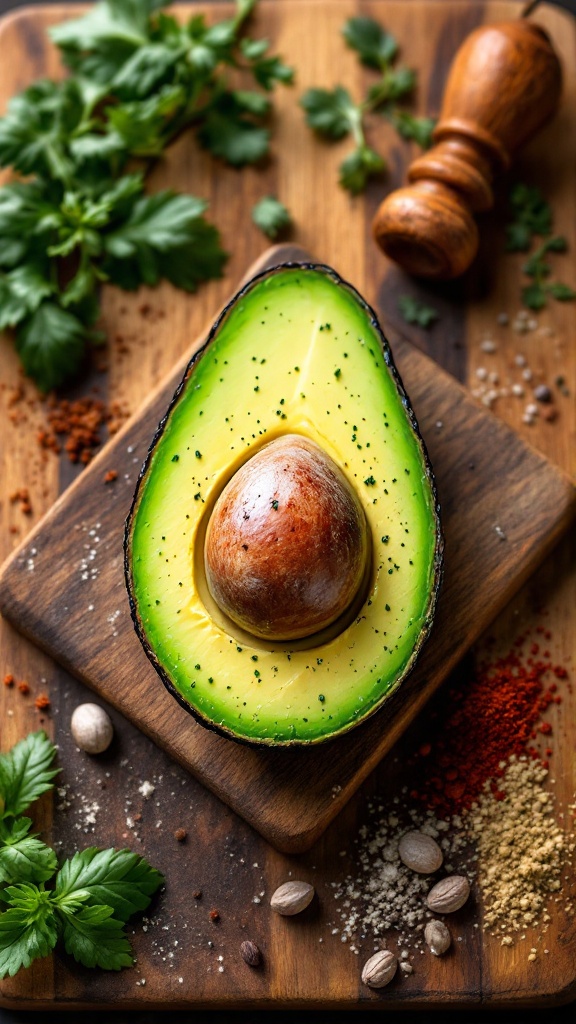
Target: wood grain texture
(488,483)
(223,856)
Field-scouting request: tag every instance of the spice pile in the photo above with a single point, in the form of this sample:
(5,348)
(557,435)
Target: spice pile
(478,790)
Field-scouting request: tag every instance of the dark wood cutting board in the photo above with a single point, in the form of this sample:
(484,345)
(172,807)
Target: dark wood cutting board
(503,507)
(306,966)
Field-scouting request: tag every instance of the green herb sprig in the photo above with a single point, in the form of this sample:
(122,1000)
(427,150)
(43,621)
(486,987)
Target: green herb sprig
(91,896)
(416,312)
(139,78)
(334,114)
(271,216)
(532,217)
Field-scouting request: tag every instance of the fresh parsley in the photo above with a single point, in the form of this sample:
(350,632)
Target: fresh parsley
(334,114)
(89,899)
(416,312)
(271,216)
(531,218)
(138,79)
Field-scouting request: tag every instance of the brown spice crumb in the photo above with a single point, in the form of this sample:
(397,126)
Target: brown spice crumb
(42,701)
(24,687)
(214,914)
(197,894)
(550,414)
(137,817)
(180,834)
(110,476)
(8,679)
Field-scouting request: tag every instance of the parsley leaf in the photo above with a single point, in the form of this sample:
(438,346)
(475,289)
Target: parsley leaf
(26,773)
(164,236)
(561,292)
(95,938)
(330,112)
(376,47)
(117,878)
(23,857)
(416,312)
(139,78)
(51,345)
(361,164)
(532,215)
(271,216)
(229,133)
(334,114)
(27,929)
(418,129)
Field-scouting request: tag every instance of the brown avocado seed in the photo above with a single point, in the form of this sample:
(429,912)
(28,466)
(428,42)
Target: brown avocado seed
(287,543)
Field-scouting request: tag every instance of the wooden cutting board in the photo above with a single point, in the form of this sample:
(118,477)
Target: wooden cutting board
(487,478)
(503,507)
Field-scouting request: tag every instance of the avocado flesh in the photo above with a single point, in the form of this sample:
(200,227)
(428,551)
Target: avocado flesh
(297,351)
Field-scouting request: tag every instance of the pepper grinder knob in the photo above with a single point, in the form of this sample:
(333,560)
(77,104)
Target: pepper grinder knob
(504,84)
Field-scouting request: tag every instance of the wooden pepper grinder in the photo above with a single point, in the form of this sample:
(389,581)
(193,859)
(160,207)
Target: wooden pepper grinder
(504,84)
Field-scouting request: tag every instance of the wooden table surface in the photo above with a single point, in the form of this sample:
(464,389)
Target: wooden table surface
(468,309)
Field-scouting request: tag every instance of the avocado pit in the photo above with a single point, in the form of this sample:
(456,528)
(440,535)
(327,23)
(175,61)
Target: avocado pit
(287,545)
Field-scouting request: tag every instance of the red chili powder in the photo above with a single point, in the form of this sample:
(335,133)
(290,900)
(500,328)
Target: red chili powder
(483,725)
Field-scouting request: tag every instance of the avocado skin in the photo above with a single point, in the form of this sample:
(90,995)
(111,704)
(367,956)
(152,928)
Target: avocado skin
(438,567)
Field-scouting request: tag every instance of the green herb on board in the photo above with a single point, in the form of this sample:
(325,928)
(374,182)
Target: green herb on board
(89,898)
(138,79)
(271,216)
(531,218)
(334,114)
(416,312)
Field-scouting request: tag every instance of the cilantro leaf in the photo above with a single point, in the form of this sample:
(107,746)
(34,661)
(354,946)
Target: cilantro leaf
(416,312)
(23,857)
(330,112)
(97,44)
(227,132)
(150,67)
(417,128)
(266,70)
(27,929)
(95,938)
(534,296)
(144,126)
(361,164)
(34,131)
(532,215)
(376,47)
(21,292)
(26,773)
(165,235)
(561,292)
(518,237)
(51,346)
(117,878)
(271,216)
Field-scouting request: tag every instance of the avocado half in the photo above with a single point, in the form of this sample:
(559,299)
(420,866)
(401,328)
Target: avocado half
(296,351)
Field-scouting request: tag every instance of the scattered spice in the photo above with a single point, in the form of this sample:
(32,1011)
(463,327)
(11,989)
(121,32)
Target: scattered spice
(492,720)
(197,894)
(110,476)
(22,496)
(477,789)
(180,834)
(214,914)
(8,679)
(24,687)
(42,702)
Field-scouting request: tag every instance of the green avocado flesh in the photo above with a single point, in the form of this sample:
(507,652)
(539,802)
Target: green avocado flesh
(296,352)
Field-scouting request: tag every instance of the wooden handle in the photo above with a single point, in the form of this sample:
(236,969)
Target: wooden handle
(504,84)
